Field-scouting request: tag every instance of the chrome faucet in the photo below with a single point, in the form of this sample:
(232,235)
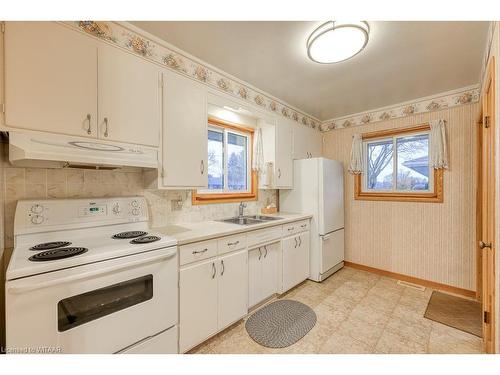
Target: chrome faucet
(241,207)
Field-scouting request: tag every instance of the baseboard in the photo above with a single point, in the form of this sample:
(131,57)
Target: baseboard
(415,280)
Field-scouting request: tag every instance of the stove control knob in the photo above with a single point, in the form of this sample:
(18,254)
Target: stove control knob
(134,203)
(116,209)
(136,211)
(37,219)
(36,208)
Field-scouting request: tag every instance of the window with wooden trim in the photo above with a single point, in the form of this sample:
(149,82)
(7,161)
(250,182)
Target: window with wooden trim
(230,175)
(397,167)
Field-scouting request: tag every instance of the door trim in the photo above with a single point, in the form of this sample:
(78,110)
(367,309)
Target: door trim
(488,263)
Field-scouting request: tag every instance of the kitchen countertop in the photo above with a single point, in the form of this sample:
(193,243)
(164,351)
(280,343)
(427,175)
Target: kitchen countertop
(186,233)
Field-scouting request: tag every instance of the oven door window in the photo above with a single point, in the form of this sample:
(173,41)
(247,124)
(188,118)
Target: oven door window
(84,308)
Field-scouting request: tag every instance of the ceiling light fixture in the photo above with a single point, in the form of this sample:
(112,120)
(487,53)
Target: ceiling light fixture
(336,41)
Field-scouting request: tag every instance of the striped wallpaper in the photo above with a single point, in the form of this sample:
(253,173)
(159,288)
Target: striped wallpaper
(432,241)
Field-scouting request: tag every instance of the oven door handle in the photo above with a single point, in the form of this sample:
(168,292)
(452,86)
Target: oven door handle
(86,275)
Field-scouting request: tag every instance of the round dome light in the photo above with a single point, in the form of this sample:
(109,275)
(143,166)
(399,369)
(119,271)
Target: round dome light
(336,41)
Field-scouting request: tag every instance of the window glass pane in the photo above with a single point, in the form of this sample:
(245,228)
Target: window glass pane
(380,165)
(236,161)
(215,160)
(413,162)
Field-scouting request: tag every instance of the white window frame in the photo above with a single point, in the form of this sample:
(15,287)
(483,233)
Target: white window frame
(394,138)
(225,189)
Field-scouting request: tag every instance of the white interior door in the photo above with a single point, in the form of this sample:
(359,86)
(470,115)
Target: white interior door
(233,287)
(254,277)
(50,79)
(270,270)
(198,304)
(185,134)
(129,98)
(332,249)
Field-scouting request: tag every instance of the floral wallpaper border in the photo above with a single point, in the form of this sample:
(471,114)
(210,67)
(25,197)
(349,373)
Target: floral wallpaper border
(447,99)
(122,37)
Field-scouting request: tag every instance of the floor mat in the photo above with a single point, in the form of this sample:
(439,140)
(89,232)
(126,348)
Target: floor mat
(456,312)
(281,323)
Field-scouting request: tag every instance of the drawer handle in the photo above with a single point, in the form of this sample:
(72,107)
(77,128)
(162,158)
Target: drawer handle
(265,248)
(214,271)
(223,268)
(292,228)
(260,253)
(233,243)
(295,238)
(200,251)
(303,225)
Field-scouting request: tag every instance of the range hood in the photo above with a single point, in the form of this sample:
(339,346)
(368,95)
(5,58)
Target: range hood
(35,149)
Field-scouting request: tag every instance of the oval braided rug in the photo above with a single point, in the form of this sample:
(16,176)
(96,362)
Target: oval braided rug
(281,323)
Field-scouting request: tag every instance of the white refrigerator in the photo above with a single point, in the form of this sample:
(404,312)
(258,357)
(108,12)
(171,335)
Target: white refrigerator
(318,189)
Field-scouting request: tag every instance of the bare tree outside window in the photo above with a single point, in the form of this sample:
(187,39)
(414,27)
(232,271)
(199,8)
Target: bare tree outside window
(412,170)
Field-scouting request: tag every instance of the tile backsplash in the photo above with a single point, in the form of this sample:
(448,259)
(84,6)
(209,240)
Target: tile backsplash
(165,206)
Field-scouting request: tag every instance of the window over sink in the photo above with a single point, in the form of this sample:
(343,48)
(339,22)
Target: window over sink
(230,175)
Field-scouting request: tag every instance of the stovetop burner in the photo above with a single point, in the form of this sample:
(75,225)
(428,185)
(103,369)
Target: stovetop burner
(50,245)
(59,253)
(145,239)
(130,234)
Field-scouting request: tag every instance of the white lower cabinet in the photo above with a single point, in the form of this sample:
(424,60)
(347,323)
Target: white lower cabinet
(295,260)
(262,273)
(198,303)
(213,295)
(232,299)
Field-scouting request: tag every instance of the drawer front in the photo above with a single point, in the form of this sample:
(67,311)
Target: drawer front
(197,251)
(264,235)
(295,227)
(231,243)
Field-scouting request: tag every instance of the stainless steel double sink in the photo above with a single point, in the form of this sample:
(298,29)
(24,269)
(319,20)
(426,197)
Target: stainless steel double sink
(250,219)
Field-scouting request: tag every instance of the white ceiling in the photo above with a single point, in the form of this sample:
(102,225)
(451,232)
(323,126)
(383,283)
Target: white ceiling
(402,61)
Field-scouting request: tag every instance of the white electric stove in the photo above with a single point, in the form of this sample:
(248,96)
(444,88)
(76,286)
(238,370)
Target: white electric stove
(89,276)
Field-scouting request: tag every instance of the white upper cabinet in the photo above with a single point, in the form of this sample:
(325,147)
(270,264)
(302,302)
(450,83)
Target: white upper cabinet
(284,154)
(185,136)
(50,79)
(307,142)
(129,98)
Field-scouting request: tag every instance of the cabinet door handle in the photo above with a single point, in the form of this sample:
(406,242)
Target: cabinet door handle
(291,228)
(260,253)
(200,251)
(233,243)
(265,248)
(214,270)
(223,268)
(300,241)
(279,172)
(106,126)
(202,167)
(89,129)
(295,238)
